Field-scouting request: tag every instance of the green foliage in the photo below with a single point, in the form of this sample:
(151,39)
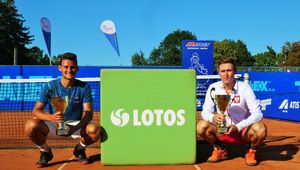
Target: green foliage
(229,48)
(138,59)
(56,59)
(35,56)
(290,54)
(12,34)
(169,52)
(268,58)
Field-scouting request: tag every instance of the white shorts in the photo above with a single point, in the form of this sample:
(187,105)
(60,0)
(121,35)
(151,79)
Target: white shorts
(52,131)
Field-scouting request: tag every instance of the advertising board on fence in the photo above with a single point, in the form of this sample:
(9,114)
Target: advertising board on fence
(198,55)
(279,94)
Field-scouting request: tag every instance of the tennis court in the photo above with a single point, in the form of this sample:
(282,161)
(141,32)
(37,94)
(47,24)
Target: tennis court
(280,150)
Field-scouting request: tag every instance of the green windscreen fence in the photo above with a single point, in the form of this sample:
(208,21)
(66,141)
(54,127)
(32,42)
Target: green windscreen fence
(149,116)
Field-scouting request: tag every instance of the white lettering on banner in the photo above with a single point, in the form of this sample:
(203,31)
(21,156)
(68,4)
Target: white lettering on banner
(136,121)
(285,105)
(264,103)
(149,117)
(170,117)
(294,104)
(181,118)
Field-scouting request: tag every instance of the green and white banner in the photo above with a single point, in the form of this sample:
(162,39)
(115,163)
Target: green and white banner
(149,116)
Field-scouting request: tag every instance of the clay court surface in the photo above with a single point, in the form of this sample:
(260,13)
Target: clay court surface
(280,151)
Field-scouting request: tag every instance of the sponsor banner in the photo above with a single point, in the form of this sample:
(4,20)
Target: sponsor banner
(275,82)
(46,28)
(198,55)
(148,117)
(283,106)
(279,94)
(23,97)
(148,110)
(109,30)
(270,87)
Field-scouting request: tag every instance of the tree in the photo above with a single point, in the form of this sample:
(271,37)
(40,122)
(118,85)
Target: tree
(244,56)
(138,59)
(36,57)
(56,59)
(12,34)
(268,58)
(169,52)
(290,54)
(229,48)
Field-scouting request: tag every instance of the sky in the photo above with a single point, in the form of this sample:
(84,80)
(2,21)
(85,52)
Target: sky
(142,24)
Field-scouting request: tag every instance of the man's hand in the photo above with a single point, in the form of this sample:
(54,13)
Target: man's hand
(218,118)
(232,129)
(58,116)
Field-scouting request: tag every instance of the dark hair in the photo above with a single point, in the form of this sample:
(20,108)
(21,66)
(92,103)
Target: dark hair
(68,56)
(229,60)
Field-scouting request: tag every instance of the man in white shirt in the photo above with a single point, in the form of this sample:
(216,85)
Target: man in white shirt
(242,116)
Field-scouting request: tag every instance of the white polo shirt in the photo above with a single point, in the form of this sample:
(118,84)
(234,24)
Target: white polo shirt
(243,110)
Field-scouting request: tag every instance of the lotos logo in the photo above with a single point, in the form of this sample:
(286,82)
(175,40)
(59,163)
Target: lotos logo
(149,117)
(119,118)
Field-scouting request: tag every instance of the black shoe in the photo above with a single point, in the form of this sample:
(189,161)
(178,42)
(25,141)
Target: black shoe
(79,152)
(44,159)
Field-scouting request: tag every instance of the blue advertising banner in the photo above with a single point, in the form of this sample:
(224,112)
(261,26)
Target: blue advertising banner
(279,93)
(198,55)
(22,96)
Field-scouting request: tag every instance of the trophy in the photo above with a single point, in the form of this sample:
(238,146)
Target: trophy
(222,101)
(61,105)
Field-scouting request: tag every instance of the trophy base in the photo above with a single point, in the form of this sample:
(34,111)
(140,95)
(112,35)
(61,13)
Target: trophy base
(62,128)
(222,129)
(61,132)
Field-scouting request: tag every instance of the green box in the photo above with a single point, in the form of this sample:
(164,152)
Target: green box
(149,116)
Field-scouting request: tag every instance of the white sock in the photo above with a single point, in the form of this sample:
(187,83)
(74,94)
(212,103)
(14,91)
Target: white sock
(44,147)
(82,144)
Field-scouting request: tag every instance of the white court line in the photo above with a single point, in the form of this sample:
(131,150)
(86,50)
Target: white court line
(197,167)
(63,165)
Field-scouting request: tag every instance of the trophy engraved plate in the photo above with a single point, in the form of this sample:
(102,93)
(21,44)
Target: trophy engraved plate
(222,102)
(61,105)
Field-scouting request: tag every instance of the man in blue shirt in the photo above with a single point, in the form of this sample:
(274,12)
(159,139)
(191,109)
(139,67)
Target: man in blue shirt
(78,110)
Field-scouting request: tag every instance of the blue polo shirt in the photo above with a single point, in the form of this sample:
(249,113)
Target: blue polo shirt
(78,94)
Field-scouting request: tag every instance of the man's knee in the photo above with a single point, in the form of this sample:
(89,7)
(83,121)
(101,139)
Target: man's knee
(202,127)
(93,131)
(31,125)
(260,130)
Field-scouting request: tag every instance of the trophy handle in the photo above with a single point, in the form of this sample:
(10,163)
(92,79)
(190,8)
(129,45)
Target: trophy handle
(66,103)
(212,90)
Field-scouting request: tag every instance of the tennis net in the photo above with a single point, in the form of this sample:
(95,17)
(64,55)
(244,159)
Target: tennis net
(17,99)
